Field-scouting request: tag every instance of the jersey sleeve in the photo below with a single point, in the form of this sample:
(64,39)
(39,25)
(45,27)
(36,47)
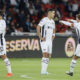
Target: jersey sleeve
(70,24)
(66,23)
(42,22)
(74,21)
(76,25)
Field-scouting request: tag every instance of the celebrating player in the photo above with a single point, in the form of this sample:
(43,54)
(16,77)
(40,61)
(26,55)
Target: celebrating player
(46,33)
(76,25)
(3,45)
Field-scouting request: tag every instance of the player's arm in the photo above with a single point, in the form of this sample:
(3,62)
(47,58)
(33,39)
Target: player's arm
(67,23)
(53,36)
(42,22)
(54,31)
(74,21)
(38,32)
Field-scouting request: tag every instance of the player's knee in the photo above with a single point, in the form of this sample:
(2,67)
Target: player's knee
(75,57)
(3,57)
(46,55)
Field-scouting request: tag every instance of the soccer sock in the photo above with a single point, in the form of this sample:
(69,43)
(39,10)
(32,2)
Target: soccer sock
(8,65)
(44,65)
(73,63)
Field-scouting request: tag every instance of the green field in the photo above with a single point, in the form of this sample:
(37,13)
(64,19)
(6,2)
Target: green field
(29,69)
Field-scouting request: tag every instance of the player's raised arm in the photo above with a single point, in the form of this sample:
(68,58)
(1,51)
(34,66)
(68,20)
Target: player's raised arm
(66,23)
(74,21)
(71,20)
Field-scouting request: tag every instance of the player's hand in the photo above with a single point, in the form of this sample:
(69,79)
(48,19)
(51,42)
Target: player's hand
(60,22)
(43,39)
(53,38)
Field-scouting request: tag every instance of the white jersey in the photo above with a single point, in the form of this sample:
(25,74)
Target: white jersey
(2,27)
(2,39)
(47,27)
(76,25)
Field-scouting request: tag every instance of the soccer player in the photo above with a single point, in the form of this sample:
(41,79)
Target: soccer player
(76,25)
(3,45)
(46,33)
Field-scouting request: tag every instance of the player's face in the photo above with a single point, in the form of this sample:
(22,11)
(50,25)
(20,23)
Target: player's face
(52,14)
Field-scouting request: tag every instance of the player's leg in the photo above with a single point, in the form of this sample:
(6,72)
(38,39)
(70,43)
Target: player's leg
(45,59)
(72,65)
(6,60)
(50,49)
(46,56)
(44,64)
(8,65)
(74,60)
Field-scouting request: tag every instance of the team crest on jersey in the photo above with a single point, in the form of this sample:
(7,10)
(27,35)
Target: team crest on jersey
(70,46)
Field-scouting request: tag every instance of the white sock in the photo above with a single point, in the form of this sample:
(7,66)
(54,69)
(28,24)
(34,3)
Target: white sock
(8,65)
(72,66)
(44,65)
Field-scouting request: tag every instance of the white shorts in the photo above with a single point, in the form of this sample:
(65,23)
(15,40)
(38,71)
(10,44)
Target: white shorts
(77,52)
(46,46)
(2,46)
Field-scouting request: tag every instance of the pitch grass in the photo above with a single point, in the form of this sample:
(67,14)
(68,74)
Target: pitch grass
(29,69)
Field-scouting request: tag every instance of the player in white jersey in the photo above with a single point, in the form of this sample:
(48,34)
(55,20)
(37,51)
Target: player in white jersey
(76,25)
(3,46)
(46,33)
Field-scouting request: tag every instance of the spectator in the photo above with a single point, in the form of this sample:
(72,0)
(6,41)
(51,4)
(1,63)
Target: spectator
(8,31)
(75,7)
(37,5)
(31,8)
(27,13)
(28,24)
(13,2)
(22,19)
(69,7)
(65,2)
(45,1)
(19,31)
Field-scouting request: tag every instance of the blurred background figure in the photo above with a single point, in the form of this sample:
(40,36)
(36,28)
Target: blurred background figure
(27,13)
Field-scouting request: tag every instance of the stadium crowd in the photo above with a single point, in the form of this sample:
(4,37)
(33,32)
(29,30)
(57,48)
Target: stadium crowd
(24,15)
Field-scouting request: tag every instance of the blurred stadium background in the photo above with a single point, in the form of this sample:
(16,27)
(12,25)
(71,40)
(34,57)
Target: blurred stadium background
(22,43)
(24,15)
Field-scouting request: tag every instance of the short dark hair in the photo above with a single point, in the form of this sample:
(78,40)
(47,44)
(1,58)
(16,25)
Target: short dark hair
(78,16)
(51,10)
